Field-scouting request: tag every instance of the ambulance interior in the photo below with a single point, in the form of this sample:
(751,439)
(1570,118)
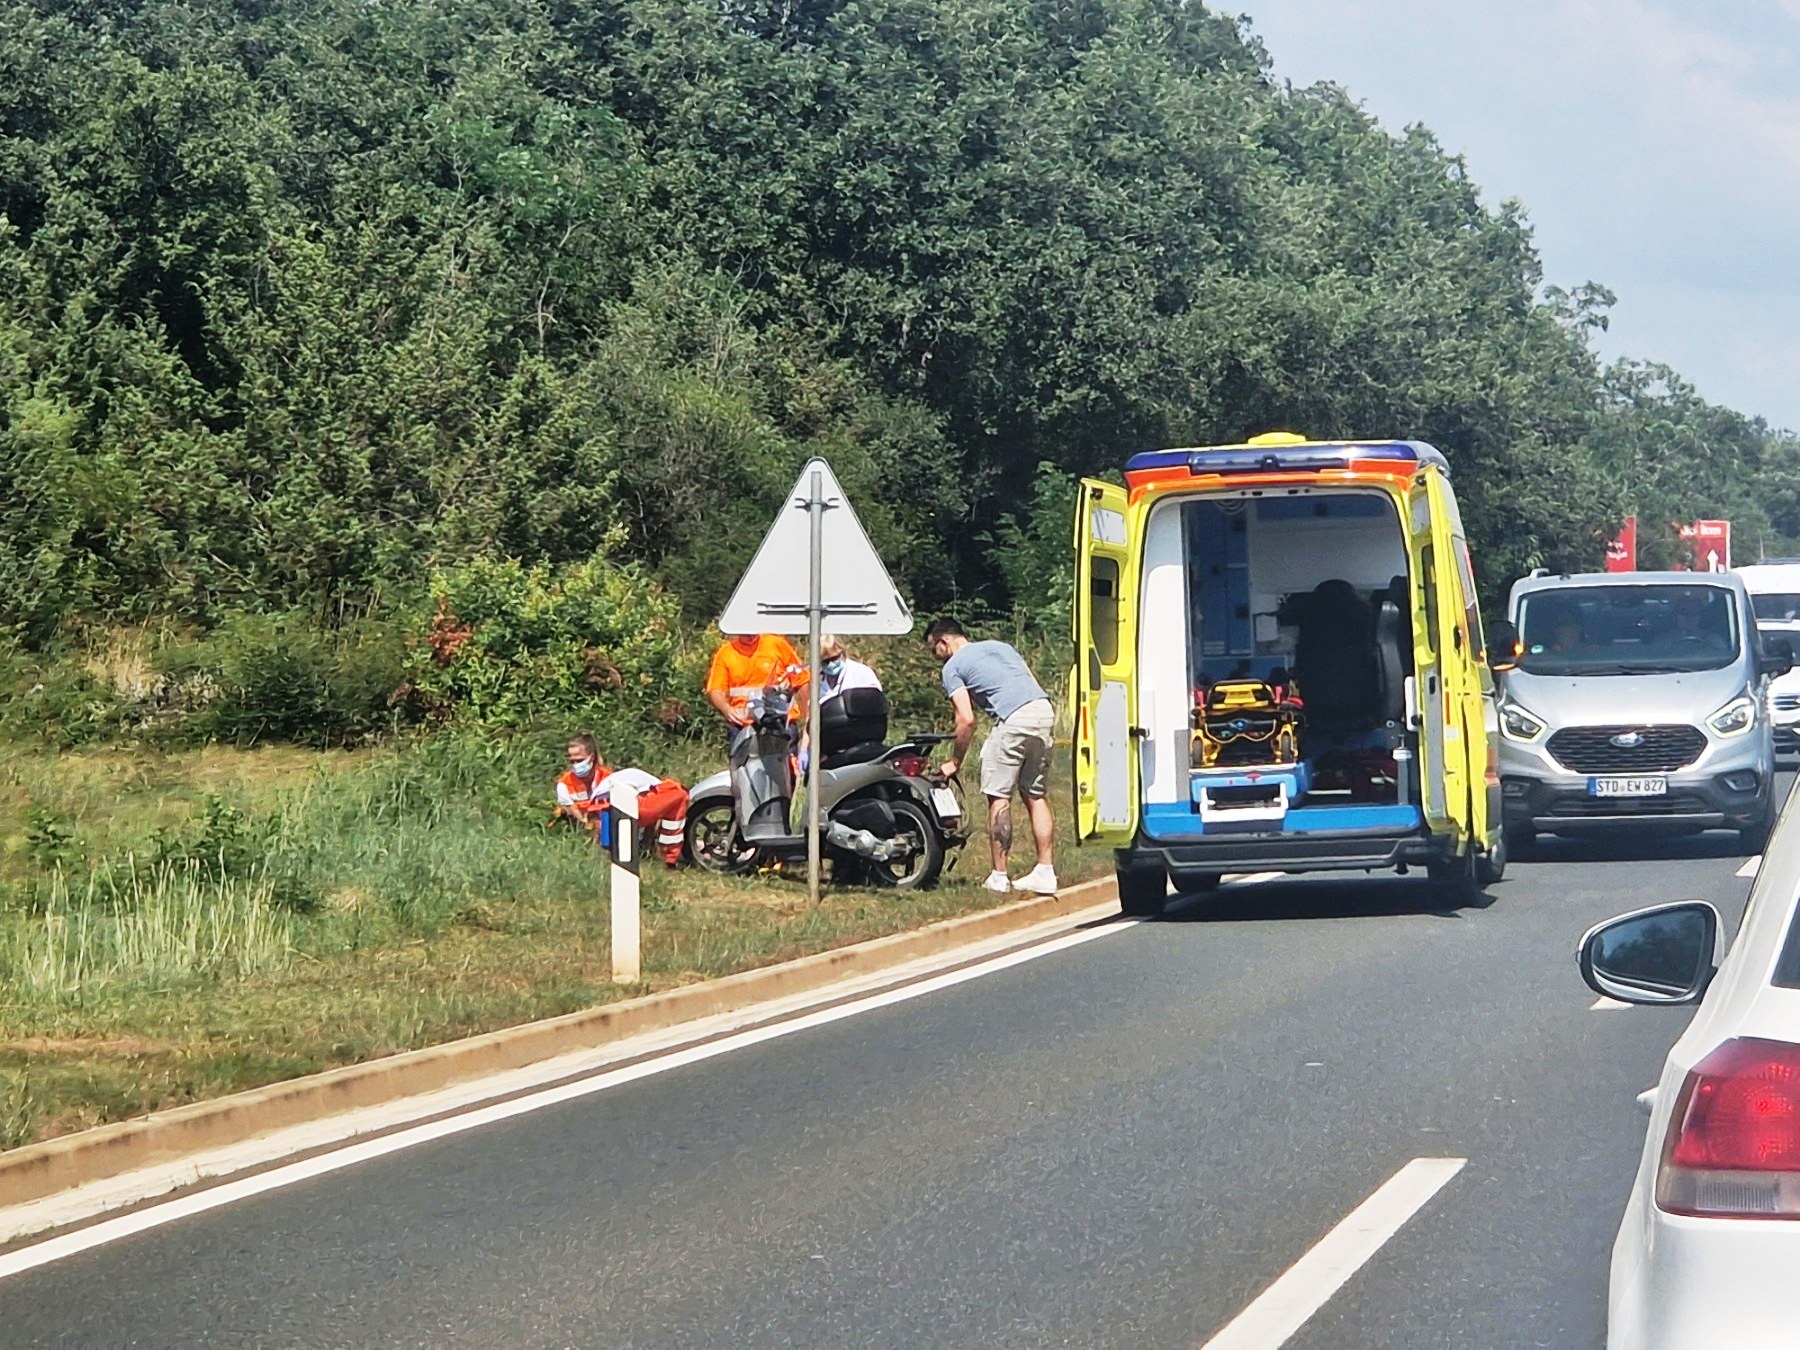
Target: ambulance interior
(1279,704)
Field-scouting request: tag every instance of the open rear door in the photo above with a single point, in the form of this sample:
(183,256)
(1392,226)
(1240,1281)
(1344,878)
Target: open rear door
(1103,691)
(1456,657)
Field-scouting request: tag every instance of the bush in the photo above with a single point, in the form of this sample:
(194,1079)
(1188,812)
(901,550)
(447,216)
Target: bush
(53,697)
(593,645)
(262,677)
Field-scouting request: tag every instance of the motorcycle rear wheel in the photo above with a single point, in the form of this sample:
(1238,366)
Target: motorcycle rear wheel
(919,868)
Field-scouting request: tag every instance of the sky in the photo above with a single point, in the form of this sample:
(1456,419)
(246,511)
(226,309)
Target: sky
(1655,145)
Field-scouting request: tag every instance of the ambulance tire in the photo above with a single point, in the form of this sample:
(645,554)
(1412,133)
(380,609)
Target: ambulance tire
(1490,866)
(1143,886)
(1194,883)
(1455,878)
(1520,839)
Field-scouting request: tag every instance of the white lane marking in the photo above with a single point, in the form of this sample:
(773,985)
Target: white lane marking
(1284,1307)
(1750,866)
(1257,878)
(231,1192)
(1605,1004)
(159,1180)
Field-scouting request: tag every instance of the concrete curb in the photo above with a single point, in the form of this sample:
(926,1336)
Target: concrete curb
(56,1165)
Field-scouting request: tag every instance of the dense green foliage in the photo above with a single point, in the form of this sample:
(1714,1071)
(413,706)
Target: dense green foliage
(303,302)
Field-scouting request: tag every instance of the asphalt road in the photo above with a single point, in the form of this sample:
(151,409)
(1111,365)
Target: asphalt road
(1118,1145)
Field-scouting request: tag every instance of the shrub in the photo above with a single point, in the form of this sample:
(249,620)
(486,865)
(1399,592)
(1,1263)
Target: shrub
(261,677)
(53,697)
(594,645)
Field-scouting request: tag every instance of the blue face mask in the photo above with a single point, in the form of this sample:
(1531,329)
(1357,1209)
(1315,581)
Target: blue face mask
(584,768)
(833,666)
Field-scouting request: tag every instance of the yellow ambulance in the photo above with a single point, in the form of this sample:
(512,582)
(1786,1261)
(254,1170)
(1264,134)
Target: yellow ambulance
(1280,666)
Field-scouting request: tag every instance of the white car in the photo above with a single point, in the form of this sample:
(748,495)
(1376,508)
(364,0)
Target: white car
(1774,587)
(1708,1254)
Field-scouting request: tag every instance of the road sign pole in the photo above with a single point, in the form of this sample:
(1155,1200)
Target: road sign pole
(815,615)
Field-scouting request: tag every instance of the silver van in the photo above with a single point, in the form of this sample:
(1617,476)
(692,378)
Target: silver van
(1637,698)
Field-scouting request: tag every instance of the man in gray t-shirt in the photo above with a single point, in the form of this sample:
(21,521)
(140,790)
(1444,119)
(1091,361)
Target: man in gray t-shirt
(993,676)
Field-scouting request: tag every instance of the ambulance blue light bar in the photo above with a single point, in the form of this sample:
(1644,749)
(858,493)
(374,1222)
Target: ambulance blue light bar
(1284,458)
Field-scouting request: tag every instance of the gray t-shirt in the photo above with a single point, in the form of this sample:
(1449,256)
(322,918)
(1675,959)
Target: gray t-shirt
(997,678)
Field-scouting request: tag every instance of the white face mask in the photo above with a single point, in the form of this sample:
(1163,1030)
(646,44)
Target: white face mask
(584,768)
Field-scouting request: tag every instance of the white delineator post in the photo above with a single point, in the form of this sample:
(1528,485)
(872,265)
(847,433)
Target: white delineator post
(627,930)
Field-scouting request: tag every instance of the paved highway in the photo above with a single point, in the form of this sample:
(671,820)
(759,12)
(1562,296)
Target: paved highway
(1120,1144)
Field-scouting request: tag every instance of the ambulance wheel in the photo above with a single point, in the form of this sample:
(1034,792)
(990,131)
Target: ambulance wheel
(1193,883)
(1455,878)
(1490,865)
(1520,839)
(1143,886)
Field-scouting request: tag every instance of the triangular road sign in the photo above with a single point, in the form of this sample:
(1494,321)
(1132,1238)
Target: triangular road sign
(858,595)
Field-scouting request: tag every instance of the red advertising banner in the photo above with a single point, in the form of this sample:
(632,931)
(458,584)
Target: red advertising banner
(1707,544)
(1621,551)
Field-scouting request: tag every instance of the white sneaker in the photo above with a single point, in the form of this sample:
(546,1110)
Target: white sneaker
(997,882)
(1040,880)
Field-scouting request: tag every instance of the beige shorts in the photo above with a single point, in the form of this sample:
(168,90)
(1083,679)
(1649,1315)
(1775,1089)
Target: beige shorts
(1016,757)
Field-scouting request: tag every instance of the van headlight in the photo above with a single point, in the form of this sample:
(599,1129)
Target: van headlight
(1735,718)
(1519,725)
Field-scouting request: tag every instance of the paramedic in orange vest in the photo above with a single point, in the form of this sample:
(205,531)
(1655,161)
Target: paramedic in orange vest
(585,791)
(742,668)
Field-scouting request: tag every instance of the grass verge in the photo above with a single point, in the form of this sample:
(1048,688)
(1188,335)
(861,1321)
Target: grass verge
(179,926)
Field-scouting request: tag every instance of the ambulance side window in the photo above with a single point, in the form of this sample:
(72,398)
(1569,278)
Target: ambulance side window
(1472,610)
(1428,574)
(1103,608)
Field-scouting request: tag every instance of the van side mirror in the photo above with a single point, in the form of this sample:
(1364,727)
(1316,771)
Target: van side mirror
(1503,646)
(1666,954)
(1777,657)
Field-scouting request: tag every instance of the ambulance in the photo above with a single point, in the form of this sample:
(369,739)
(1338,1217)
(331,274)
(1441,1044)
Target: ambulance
(1280,666)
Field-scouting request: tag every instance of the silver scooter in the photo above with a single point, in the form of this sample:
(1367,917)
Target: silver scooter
(885,814)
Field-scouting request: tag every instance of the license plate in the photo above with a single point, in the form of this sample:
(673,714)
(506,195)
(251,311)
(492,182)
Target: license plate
(944,802)
(1627,787)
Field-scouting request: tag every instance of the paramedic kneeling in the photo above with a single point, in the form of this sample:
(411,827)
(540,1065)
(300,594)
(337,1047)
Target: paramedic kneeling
(585,791)
(994,677)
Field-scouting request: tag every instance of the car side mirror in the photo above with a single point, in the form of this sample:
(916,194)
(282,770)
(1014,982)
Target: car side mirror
(1777,656)
(1504,648)
(1666,954)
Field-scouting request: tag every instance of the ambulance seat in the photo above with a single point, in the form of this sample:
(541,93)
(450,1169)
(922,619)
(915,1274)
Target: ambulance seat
(1335,659)
(1393,649)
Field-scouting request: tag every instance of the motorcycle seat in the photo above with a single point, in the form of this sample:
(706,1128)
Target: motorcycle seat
(862,752)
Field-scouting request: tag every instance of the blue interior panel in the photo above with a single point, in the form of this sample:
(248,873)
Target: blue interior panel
(1176,820)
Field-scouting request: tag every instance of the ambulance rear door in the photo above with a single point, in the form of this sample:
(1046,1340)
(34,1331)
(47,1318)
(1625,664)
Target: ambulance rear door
(1103,694)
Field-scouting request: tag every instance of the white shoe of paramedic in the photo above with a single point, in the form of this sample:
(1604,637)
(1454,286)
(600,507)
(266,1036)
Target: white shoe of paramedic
(1040,880)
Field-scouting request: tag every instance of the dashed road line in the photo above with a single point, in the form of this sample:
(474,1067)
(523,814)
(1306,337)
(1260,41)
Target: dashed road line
(1284,1307)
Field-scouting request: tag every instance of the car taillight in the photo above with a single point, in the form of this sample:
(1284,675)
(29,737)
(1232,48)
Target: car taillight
(913,766)
(1733,1148)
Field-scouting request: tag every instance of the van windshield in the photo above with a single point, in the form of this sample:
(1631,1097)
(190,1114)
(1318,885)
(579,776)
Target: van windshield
(1628,630)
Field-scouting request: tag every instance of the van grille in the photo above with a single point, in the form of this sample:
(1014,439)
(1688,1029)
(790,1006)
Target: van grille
(1658,750)
(1785,702)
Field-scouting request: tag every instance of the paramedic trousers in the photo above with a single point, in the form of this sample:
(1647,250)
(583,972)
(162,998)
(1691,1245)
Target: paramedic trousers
(665,806)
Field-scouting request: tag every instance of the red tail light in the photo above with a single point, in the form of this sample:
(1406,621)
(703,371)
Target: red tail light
(913,766)
(1733,1148)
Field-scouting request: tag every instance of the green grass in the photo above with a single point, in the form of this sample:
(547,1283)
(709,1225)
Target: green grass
(182,925)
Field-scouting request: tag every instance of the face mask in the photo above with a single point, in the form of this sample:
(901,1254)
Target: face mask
(584,768)
(832,666)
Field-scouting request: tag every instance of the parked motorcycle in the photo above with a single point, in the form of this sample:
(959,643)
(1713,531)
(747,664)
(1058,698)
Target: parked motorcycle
(885,814)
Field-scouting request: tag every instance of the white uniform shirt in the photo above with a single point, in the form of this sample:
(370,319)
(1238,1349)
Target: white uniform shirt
(854,675)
